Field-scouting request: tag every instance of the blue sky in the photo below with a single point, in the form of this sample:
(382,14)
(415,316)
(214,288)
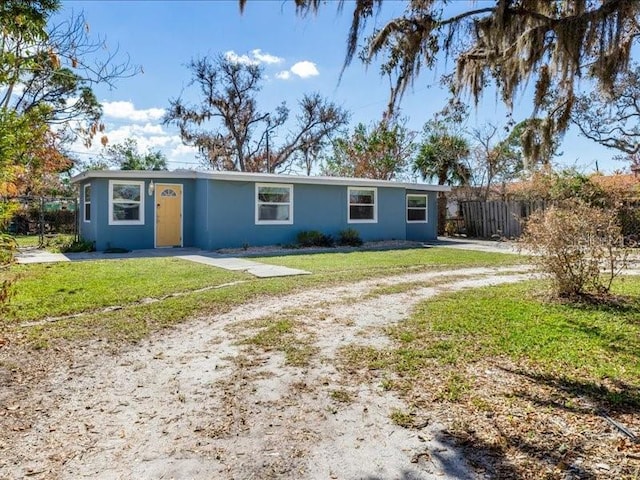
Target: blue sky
(299,55)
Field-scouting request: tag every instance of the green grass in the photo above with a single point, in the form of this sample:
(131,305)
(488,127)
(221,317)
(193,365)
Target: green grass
(49,290)
(27,240)
(599,340)
(341,396)
(576,344)
(402,418)
(52,243)
(56,289)
(283,335)
(363,264)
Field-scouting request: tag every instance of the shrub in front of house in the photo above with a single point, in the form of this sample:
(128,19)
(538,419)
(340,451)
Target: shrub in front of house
(77,246)
(580,247)
(314,238)
(350,237)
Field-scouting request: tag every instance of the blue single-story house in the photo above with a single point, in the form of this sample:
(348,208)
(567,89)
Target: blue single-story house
(212,210)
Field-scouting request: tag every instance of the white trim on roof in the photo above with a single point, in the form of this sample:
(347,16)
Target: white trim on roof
(256,177)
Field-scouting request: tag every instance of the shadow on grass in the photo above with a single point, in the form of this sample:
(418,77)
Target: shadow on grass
(620,397)
(492,460)
(606,303)
(445,464)
(546,450)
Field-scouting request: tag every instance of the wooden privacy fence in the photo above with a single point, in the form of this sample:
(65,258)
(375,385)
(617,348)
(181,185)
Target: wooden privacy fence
(496,218)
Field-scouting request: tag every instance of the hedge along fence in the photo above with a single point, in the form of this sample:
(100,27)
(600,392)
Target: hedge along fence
(41,216)
(497,218)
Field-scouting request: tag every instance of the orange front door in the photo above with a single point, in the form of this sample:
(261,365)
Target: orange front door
(168,215)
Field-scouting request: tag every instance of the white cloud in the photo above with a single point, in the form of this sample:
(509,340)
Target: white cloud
(149,136)
(126,110)
(182,150)
(257,57)
(265,57)
(147,129)
(305,69)
(233,57)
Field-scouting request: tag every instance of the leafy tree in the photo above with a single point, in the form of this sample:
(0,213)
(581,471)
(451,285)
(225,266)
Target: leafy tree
(126,156)
(527,141)
(381,151)
(46,75)
(442,156)
(510,43)
(229,130)
(612,118)
(52,67)
(30,155)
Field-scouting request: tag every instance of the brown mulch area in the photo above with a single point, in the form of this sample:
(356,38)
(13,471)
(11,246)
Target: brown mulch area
(515,423)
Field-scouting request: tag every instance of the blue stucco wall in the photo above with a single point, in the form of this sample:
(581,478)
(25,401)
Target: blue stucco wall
(132,237)
(230,216)
(201,217)
(88,230)
(221,214)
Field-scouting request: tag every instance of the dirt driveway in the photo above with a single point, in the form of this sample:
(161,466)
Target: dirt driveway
(200,402)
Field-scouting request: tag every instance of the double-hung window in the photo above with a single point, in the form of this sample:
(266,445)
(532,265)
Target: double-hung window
(126,202)
(86,201)
(363,207)
(416,208)
(274,204)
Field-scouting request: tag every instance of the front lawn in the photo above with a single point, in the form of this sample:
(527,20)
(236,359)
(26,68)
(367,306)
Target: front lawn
(598,342)
(367,264)
(55,289)
(49,290)
(528,383)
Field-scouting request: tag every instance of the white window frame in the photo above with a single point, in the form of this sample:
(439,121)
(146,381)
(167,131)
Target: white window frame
(140,184)
(375,205)
(86,200)
(425,208)
(258,203)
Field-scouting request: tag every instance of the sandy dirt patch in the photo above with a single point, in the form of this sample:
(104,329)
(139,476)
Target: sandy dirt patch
(196,402)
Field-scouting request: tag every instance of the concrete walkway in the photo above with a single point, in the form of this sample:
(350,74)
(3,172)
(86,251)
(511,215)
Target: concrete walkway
(261,270)
(256,269)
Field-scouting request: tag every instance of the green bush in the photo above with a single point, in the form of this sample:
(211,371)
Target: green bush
(350,237)
(77,246)
(313,238)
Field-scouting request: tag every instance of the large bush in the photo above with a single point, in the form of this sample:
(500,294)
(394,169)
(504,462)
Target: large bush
(579,246)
